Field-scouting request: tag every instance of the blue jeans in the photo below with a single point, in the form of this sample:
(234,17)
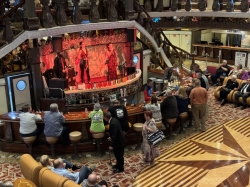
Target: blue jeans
(84,174)
(68,164)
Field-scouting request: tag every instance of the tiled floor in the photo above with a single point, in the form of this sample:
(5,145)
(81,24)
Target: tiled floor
(9,168)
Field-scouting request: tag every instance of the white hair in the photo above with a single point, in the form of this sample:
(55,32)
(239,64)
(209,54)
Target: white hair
(53,107)
(234,76)
(168,93)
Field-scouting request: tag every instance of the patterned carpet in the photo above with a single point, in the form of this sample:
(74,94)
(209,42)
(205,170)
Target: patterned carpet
(9,162)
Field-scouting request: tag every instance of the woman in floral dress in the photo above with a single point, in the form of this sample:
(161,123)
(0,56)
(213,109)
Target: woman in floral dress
(150,151)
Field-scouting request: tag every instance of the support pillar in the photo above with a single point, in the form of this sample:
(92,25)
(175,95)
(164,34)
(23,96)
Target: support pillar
(37,84)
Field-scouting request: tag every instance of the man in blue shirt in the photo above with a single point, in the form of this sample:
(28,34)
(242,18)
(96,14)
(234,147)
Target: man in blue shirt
(53,124)
(78,177)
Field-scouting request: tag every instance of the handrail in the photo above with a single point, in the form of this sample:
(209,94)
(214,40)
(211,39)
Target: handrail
(13,9)
(164,36)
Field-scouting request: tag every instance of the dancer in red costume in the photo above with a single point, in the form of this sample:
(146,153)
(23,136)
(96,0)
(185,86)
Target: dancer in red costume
(111,62)
(82,64)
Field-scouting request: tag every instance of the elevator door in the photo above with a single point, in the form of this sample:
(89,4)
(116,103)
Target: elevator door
(18,88)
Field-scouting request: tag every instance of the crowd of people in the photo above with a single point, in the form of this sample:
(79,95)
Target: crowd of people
(157,110)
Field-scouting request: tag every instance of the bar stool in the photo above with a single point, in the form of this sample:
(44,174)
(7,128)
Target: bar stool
(52,141)
(98,138)
(171,122)
(138,129)
(75,137)
(183,118)
(29,141)
(158,124)
(190,115)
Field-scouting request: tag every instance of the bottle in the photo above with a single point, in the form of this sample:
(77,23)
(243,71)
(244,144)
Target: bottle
(124,92)
(93,98)
(121,92)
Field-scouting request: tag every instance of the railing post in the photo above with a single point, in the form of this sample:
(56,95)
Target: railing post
(30,20)
(112,13)
(46,17)
(61,17)
(76,16)
(8,33)
(129,7)
(244,7)
(94,15)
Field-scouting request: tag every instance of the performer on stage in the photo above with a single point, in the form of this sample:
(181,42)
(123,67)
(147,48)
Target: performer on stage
(82,64)
(111,62)
(59,66)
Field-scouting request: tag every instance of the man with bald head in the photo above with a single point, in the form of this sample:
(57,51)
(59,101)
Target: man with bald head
(222,71)
(92,181)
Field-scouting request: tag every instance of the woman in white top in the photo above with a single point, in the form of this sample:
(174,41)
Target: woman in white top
(236,71)
(28,125)
(154,107)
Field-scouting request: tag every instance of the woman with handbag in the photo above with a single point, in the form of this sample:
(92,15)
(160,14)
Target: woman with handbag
(96,116)
(150,151)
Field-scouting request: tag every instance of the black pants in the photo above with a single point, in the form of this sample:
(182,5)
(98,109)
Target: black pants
(82,67)
(224,93)
(65,135)
(119,152)
(36,133)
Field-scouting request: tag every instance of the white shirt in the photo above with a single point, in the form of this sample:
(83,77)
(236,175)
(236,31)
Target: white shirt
(28,122)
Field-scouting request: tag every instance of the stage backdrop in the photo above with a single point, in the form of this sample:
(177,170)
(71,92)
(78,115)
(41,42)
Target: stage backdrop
(97,58)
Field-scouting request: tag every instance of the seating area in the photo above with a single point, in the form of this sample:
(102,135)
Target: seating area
(40,176)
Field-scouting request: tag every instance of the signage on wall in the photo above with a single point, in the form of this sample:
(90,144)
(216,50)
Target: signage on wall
(240,58)
(248,60)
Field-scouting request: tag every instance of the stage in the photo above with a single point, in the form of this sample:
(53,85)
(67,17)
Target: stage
(218,157)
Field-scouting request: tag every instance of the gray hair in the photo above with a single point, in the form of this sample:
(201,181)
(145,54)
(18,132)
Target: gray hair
(6,184)
(199,74)
(168,93)
(107,114)
(97,107)
(197,82)
(53,107)
(234,76)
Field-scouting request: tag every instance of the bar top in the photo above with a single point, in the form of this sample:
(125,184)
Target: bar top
(70,116)
(223,47)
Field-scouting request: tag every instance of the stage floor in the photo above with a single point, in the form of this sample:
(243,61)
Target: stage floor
(218,157)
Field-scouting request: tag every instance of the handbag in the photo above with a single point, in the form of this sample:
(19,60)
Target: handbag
(156,137)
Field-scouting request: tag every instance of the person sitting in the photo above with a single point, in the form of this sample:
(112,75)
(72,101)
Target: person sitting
(236,71)
(246,74)
(28,121)
(120,112)
(243,92)
(196,68)
(46,161)
(53,124)
(78,177)
(148,90)
(222,71)
(226,89)
(96,117)
(155,108)
(182,100)
(169,108)
(199,76)
(92,181)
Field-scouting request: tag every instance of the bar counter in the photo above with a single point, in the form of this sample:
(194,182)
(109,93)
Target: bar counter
(11,141)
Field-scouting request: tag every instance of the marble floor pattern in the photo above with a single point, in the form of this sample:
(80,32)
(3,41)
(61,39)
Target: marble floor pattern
(9,162)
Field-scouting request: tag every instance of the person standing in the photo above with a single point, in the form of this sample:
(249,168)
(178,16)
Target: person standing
(111,56)
(203,83)
(53,124)
(59,66)
(198,99)
(117,141)
(244,92)
(120,112)
(148,91)
(82,64)
(150,151)
(28,121)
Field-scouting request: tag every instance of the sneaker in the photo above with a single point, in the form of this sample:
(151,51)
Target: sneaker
(92,168)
